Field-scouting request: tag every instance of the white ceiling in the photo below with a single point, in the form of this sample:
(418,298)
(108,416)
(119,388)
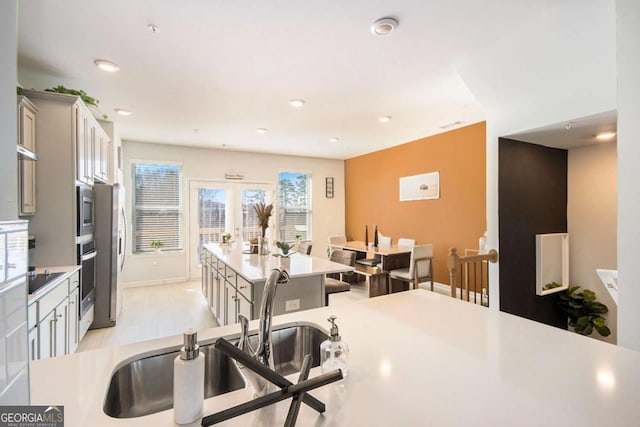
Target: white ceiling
(573,133)
(226,68)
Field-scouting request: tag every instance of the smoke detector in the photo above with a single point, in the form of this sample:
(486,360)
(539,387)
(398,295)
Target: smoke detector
(384,26)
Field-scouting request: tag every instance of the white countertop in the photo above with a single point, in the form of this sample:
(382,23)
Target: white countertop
(255,268)
(416,358)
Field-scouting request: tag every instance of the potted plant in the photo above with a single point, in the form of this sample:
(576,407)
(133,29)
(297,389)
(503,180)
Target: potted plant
(263,212)
(285,248)
(583,311)
(226,238)
(156,245)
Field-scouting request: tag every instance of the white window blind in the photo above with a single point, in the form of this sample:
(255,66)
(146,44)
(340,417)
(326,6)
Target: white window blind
(157,207)
(294,206)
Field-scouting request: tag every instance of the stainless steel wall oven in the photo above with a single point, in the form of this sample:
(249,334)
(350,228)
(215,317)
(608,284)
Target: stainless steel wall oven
(87,260)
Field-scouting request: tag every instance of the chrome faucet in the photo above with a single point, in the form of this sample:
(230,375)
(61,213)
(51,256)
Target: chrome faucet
(263,352)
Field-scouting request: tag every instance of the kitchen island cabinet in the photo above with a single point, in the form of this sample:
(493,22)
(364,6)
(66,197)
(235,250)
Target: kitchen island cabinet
(416,358)
(233,281)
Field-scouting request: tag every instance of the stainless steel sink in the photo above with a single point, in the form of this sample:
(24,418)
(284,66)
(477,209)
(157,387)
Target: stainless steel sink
(145,386)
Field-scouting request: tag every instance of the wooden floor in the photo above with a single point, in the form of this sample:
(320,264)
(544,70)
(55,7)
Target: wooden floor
(150,312)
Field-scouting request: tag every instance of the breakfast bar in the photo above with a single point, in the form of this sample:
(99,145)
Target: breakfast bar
(429,360)
(233,281)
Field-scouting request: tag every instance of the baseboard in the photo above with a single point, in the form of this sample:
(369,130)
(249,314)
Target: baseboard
(155,282)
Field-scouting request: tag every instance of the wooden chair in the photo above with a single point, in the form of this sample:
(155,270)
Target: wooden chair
(332,285)
(420,267)
(469,276)
(304,248)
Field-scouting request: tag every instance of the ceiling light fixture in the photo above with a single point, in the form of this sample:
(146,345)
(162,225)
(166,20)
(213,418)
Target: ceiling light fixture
(384,26)
(105,65)
(122,112)
(153,28)
(261,130)
(604,136)
(296,102)
(384,119)
(334,139)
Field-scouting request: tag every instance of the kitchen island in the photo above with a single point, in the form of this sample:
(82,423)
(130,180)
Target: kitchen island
(417,358)
(233,281)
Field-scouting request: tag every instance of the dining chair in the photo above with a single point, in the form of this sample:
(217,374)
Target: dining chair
(403,242)
(384,241)
(420,267)
(304,248)
(338,239)
(332,285)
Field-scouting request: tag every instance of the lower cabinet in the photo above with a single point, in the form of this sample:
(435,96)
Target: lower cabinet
(55,330)
(73,325)
(46,335)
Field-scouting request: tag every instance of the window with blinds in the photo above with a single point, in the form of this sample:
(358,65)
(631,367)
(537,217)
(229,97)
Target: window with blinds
(294,213)
(157,207)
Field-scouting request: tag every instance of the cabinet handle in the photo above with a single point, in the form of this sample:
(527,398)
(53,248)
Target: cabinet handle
(243,287)
(58,316)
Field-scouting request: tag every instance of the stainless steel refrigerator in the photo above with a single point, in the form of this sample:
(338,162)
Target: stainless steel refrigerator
(110,237)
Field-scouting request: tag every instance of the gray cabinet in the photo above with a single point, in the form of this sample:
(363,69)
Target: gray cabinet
(26,168)
(46,335)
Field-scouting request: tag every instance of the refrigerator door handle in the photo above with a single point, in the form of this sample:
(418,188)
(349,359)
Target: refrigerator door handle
(123,238)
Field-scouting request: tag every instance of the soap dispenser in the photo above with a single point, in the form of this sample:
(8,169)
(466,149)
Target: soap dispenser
(334,353)
(188,381)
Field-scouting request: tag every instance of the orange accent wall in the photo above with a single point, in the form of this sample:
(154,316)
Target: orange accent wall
(457,219)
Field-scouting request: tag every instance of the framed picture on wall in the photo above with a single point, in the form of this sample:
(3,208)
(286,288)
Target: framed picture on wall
(420,187)
(329,187)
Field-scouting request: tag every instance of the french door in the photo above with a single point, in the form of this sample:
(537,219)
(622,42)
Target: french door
(218,208)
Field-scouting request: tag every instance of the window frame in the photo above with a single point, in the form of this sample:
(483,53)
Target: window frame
(180,207)
(309,211)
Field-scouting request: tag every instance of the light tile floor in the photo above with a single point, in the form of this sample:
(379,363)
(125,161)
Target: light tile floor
(150,312)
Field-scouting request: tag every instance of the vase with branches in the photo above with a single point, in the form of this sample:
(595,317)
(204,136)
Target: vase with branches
(263,213)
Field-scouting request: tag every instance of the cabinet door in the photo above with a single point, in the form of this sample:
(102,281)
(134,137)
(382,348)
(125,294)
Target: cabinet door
(27,128)
(244,307)
(33,344)
(81,145)
(46,335)
(73,331)
(27,186)
(231,306)
(61,327)
(91,151)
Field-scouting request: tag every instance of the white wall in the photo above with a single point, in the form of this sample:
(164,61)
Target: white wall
(8,114)
(536,77)
(628,26)
(592,218)
(207,164)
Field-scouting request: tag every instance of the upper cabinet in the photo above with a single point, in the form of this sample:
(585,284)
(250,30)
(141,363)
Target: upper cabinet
(27,123)
(26,167)
(70,153)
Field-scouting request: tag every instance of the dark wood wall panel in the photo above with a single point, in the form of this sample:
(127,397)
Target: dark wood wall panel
(532,193)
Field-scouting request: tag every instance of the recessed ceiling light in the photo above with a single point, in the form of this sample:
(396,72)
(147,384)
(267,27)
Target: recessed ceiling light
(261,130)
(384,119)
(604,136)
(296,102)
(153,28)
(334,139)
(122,112)
(106,65)
(384,26)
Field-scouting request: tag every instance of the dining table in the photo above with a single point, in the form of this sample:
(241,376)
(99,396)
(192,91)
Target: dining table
(390,257)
